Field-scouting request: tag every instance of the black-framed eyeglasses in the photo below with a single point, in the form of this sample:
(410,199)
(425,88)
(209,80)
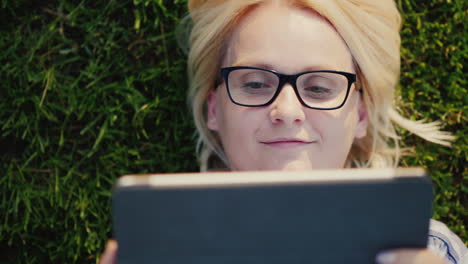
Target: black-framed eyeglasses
(253,86)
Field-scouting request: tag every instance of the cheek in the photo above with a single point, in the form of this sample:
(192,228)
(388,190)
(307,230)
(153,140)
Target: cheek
(333,133)
(239,132)
(237,121)
(336,130)
(233,121)
(341,123)
(238,126)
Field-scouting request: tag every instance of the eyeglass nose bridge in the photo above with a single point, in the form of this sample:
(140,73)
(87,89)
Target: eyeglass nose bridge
(287,79)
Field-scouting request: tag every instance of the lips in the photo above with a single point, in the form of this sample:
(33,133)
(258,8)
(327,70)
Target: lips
(285,143)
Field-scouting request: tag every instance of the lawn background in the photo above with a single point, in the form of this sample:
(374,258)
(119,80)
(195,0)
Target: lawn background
(91,90)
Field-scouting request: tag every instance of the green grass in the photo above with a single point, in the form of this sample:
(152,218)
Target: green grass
(91,90)
(434,87)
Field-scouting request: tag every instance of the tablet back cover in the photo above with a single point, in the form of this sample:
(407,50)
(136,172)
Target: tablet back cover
(326,222)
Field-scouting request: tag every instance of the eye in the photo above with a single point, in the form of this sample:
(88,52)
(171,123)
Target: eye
(255,85)
(253,82)
(319,86)
(317,92)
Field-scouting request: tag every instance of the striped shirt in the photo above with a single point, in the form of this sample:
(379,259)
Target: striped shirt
(446,244)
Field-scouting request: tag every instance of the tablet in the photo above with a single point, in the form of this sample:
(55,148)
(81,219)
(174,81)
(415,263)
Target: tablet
(322,216)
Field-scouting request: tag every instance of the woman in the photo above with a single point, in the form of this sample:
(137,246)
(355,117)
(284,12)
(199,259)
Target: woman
(293,85)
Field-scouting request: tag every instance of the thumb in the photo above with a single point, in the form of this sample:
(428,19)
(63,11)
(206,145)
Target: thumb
(110,253)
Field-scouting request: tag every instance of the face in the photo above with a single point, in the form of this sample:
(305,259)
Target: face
(286,135)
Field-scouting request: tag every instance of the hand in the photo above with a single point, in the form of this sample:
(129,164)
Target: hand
(408,256)
(110,253)
(398,256)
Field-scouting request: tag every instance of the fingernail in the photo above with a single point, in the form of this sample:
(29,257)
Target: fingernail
(385,257)
(111,245)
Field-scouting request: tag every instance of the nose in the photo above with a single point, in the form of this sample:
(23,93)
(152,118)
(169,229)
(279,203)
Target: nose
(287,108)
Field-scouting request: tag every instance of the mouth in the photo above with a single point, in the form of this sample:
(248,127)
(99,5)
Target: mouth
(286,143)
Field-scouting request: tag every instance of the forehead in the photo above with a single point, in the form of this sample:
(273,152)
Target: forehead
(287,39)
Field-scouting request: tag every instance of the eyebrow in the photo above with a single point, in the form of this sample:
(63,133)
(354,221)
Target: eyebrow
(272,68)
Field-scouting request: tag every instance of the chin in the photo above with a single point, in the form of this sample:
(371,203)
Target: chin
(290,166)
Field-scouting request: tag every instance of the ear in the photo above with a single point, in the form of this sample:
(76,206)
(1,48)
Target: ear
(363,119)
(212,101)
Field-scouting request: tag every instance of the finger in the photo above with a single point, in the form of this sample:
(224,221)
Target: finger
(408,256)
(110,253)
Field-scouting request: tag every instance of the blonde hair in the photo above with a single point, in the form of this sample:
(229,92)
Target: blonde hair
(370,28)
